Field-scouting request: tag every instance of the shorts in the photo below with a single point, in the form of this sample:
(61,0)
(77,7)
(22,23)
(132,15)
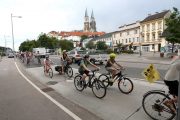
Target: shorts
(110,69)
(84,72)
(173,87)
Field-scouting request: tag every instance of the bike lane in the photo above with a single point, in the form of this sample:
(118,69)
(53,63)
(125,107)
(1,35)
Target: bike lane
(114,106)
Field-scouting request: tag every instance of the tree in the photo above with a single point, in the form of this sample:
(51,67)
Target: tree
(83,37)
(28,45)
(90,45)
(66,45)
(172,32)
(101,45)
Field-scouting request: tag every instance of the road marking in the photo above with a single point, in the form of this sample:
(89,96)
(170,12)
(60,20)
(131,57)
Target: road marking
(49,97)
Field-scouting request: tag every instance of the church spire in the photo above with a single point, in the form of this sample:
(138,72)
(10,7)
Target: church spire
(86,14)
(92,15)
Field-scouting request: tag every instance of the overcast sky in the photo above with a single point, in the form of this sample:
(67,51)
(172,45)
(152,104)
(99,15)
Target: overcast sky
(66,15)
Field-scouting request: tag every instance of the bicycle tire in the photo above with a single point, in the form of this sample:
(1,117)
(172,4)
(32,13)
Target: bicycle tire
(105,79)
(78,83)
(50,72)
(69,71)
(159,105)
(96,86)
(123,83)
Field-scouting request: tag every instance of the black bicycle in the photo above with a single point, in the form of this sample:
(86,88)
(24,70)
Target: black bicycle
(97,86)
(67,69)
(125,85)
(154,107)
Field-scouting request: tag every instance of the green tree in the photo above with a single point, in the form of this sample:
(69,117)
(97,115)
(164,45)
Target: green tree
(172,32)
(66,45)
(83,37)
(90,45)
(101,45)
(28,45)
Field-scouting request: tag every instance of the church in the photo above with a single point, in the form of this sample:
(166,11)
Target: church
(89,24)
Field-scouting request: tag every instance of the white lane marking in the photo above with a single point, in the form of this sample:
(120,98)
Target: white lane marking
(49,97)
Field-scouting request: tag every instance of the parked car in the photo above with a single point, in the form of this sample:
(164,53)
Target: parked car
(76,55)
(98,59)
(10,55)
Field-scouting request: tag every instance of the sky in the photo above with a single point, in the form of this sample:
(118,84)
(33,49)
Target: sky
(43,16)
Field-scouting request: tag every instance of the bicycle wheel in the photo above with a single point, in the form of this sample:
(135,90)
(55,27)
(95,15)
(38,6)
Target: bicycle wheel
(98,89)
(105,79)
(125,85)
(153,106)
(50,72)
(69,71)
(78,83)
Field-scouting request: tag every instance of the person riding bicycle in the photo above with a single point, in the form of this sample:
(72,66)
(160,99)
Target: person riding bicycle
(83,69)
(171,80)
(47,63)
(112,66)
(64,60)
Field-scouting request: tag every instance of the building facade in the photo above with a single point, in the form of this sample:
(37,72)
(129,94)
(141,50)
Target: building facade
(127,34)
(151,29)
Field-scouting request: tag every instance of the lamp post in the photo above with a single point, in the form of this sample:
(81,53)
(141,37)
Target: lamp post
(12,28)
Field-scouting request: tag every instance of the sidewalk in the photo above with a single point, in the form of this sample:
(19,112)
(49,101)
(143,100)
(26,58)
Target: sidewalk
(146,57)
(115,105)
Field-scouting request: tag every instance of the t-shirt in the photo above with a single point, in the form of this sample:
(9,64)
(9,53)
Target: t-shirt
(173,72)
(83,62)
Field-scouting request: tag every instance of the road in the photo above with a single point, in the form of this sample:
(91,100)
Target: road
(115,105)
(21,99)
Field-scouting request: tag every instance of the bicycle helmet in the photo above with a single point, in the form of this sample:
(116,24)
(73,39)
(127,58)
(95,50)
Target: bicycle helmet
(86,56)
(112,55)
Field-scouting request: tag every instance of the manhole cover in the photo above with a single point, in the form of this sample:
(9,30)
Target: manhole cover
(48,89)
(51,82)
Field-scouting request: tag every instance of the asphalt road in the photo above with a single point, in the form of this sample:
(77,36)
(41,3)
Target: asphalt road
(20,100)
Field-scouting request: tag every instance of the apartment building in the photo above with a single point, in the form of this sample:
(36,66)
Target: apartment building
(127,34)
(151,29)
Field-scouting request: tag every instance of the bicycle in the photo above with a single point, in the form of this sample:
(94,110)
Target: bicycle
(125,85)
(153,105)
(67,69)
(97,86)
(48,71)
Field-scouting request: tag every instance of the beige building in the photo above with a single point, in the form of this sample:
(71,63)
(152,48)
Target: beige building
(127,34)
(151,29)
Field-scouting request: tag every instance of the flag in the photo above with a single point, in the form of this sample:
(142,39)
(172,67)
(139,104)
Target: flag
(151,74)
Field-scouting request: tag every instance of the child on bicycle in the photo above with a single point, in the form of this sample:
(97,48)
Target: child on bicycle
(112,66)
(83,69)
(47,63)
(171,80)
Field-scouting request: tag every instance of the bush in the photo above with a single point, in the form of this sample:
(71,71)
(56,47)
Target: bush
(110,51)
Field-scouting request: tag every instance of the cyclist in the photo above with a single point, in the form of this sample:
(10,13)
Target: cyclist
(65,60)
(83,69)
(112,66)
(47,63)
(171,80)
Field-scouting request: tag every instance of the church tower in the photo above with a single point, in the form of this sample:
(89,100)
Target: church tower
(92,23)
(86,22)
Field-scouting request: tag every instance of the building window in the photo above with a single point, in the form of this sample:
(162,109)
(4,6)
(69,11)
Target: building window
(159,25)
(126,40)
(143,28)
(148,37)
(153,26)
(153,46)
(148,27)
(120,34)
(127,32)
(133,40)
(135,31)
(129,39)
(159,35)
(137,39)
(153,36)
(122,41)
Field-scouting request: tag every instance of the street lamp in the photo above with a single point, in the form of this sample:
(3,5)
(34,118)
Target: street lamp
(12,28)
